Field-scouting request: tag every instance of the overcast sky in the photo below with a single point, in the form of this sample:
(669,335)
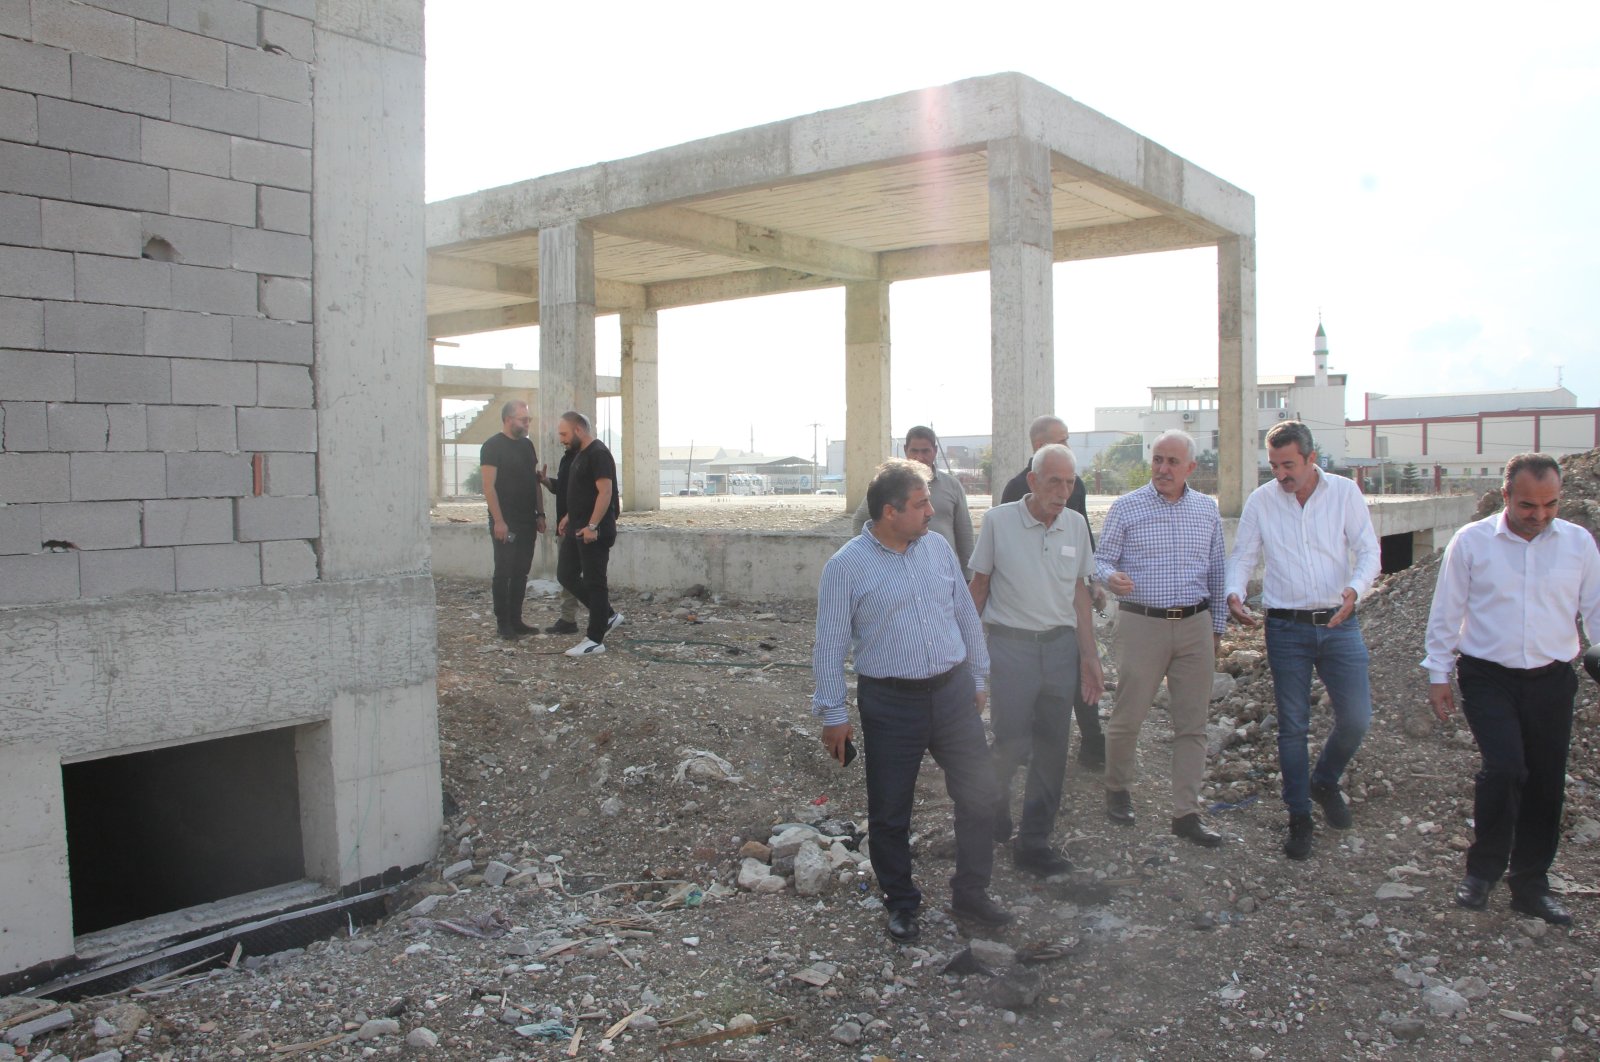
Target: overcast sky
(1425,177)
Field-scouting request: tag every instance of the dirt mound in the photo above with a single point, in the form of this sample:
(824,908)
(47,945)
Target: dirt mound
(1580,492)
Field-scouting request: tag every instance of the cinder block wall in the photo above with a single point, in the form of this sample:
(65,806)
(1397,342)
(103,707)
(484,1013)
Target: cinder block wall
(212,460)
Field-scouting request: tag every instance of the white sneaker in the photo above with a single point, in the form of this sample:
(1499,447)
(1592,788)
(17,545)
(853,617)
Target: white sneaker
(614,622)
(586,648)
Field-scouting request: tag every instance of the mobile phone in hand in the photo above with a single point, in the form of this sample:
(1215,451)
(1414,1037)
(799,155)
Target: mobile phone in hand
(849,753)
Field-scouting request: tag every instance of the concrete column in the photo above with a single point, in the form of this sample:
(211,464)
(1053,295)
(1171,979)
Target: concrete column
(566,328)
(33,857)
(1236,373)
(641,413)
(1021,322)
(435,429)
(866,386)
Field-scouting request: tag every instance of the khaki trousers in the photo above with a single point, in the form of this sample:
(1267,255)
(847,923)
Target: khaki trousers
(1147,649)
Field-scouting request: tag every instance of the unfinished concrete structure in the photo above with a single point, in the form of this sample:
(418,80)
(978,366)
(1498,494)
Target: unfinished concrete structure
(996,173)
(216,620)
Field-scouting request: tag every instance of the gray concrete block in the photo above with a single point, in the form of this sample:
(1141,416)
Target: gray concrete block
(27,426)
(15,19)
(77,426)
(35,478)
(226,20)
(123,87)
(112,477)
(92,130)
(187,522)
(179,334)
(124,281)
(207,475)
(86,328)
(286,386)
(172,429)
(123,572)
(286,299)
(37,68)
(111,182)
(209,107)
(19,117)
(278,165)
(39,376)
(213,290)
(213,383)
(33,170)
(294,430)
(193,242)
(126,428)
(174,51)
(218,567)
(19,529)
(19,220)
(196,195)
(288,34)
(283,210)
(276,253)
(283,122)
(184,147)
(148,10)
(123,378)
(261,519)
(21,323)
(260,340)
(291,474)
(288,561)
(92,525)
(253,70)
(80,27)
(39,579)
(303,8)
(30,273)
(97,230)
(216,429)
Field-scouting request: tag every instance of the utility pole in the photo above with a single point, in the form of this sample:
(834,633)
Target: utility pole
(814,426)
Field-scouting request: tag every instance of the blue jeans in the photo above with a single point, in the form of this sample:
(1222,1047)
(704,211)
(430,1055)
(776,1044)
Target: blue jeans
(1340,658)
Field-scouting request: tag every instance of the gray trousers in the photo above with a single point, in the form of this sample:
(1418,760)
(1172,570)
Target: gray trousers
(1031,686)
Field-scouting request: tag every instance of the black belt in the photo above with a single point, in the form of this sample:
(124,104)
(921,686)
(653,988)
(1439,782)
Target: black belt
(1166,613)
(912,685)
(1017,634)
(1522,672)
(1318,617)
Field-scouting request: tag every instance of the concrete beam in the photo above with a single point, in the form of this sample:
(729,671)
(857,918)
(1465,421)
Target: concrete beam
(493,319)
(743,284)
(1021,327)
(1236,373)
(467,274)
(641,412)
(866,385)
(710,234)
(1141,236)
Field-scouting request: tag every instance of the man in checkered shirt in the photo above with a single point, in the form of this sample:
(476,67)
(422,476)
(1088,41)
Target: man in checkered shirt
(1161,553)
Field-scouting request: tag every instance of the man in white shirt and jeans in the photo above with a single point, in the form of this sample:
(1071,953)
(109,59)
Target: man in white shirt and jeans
(1509,589)
(1308,524)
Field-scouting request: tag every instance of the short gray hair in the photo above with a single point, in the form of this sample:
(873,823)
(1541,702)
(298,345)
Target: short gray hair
(1182,436)
(1043,424)
(509,410)
(1043,453)
(1290,433)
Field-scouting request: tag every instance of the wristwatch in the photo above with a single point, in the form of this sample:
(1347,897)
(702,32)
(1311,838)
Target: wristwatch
(592,527)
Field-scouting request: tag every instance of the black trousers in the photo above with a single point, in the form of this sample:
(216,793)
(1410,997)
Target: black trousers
(581,569)
(513,559)
(1522,721)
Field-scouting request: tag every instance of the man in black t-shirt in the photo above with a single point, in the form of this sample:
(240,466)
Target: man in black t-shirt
(588,529)
(567,621)
(509,468)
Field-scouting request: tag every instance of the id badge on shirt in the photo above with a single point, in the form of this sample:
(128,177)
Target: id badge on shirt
(1069,551)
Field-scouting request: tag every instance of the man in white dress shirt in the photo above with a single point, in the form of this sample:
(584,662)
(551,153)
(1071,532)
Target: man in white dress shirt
(1509,590)
(1308,523)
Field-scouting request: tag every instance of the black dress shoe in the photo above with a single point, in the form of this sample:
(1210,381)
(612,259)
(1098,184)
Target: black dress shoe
(509,634)
(1542,905)
(1002,826)
(523,628)
(1092,751)
(903,924)
(1119,806)
(1334,808)
(1298,844)
(1041,861)
(562,626)
(980,908)
(1191,829)
(1473,893)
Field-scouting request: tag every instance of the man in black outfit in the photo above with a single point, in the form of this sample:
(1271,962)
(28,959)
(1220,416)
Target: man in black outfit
(567,622)
(509,466)
(1045,431)
(591,485)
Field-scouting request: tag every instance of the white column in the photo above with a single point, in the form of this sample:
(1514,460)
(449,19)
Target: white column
(866,385)
(1021,323)
(1236,373)
(566,329)
(641,413)
(435,427)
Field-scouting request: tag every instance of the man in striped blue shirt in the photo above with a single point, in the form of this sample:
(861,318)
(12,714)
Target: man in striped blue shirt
(894,595)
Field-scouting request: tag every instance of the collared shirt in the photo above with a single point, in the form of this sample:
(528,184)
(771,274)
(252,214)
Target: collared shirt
(907,615)
(1173,551)
(1503,598)
(950,516)
(1033,570)
(1308,546)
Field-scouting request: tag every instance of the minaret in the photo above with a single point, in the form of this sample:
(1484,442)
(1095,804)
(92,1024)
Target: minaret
(1320,353)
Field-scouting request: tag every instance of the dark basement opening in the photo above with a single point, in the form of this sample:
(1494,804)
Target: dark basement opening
(1395,552)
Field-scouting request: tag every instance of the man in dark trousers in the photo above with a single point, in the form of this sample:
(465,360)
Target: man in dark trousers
(1510,590)
(591,485)
(567,622)
(509,466)
(1050,430)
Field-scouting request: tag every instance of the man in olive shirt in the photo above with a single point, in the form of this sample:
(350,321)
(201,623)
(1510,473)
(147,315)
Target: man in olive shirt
(509,466)
(951,519)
